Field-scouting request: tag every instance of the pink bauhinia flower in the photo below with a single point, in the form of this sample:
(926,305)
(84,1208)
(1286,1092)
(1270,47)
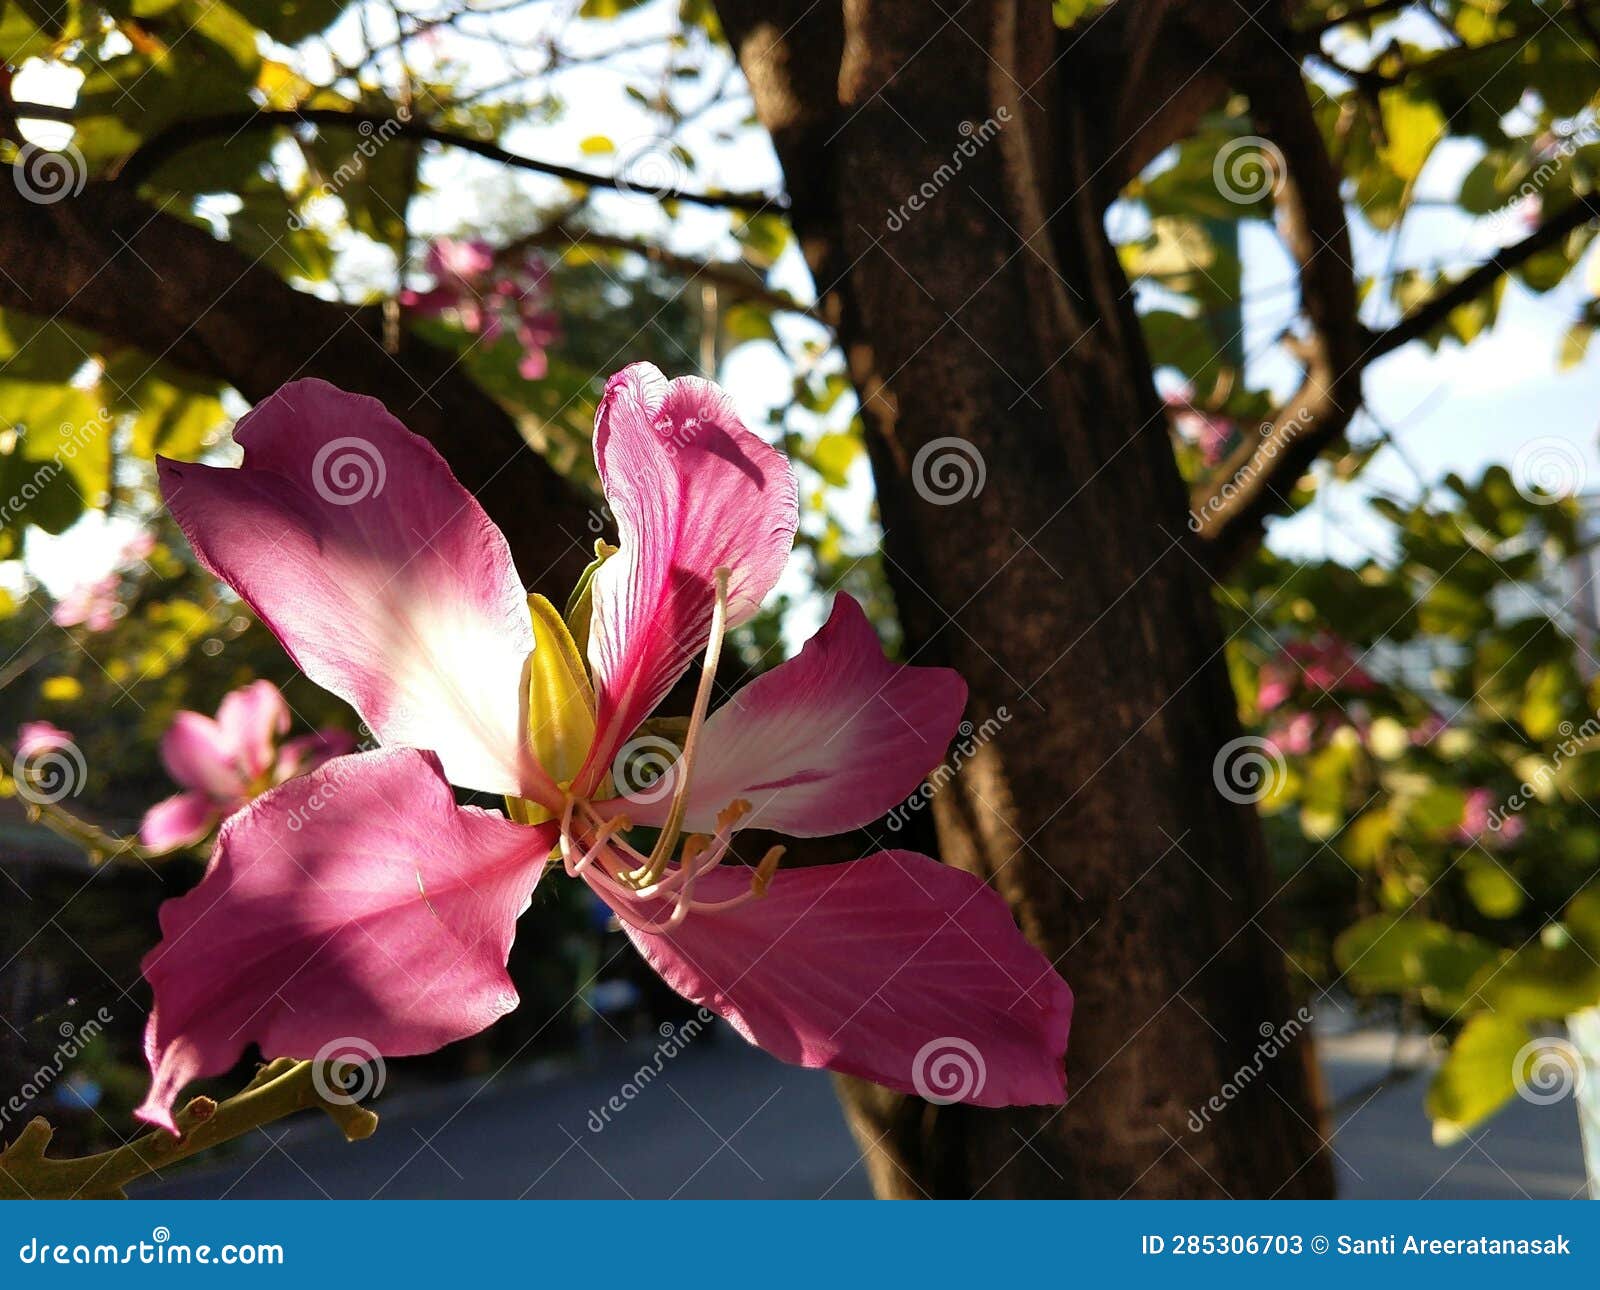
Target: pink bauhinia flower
(91,605)
(223,762)
(1318,668)
(35,737)
(486,298)
(361,900)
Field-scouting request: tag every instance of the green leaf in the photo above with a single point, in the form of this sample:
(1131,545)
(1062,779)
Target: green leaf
(832,455)
(1412,124)
(290,21)
(1494,891)
(1541,982)
(1477,1078)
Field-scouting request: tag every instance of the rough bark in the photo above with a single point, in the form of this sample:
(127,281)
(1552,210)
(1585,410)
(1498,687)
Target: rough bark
(1066,591)
(113,264)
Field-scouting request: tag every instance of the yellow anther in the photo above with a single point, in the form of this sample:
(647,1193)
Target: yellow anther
(731,814)
(765,870)
(694,846)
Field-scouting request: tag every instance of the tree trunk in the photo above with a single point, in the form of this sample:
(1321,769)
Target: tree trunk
(1036,536)
(109,262)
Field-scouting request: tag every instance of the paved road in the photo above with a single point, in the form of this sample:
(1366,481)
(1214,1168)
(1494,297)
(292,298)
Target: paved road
(723,1120)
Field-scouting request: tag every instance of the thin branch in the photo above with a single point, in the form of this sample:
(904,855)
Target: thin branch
(1433,311)
(1227,511)
(1362,14)
(150,155)
(279,1089)
(738,279)
(1240,495)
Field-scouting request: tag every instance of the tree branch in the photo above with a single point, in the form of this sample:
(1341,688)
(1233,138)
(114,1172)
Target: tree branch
(150,155)
(1232,504)
(279,1089)
(739,280)
(1433,311)
(108,262)
(1228,510)
(1150,62)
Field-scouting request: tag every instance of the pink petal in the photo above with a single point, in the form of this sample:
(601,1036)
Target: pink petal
(358,902)
(380,574)
(825,742)
(895,968)
(200,755)
(179,821)
(307,752)
(40,737)
(692,490)
(253,718)
(533,364)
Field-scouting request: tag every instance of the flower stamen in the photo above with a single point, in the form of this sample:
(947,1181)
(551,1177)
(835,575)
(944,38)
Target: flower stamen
(661,853)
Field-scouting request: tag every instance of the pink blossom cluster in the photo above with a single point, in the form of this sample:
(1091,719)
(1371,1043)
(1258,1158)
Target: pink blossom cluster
(1209,432)
(490,299)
